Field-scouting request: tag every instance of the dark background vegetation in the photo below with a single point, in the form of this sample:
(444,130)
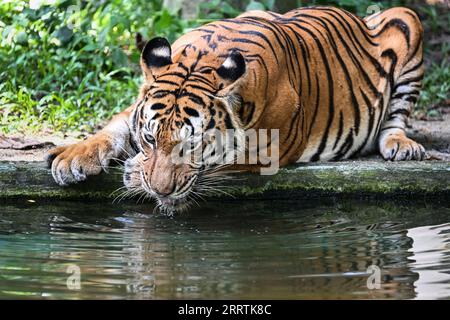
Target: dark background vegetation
(69,65)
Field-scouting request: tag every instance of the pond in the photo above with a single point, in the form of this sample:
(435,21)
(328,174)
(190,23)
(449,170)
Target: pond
(241,249)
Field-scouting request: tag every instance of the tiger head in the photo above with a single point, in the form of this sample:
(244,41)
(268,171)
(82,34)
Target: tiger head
(182,98)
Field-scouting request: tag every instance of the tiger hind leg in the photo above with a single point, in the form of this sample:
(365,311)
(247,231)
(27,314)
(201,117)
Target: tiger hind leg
(405,87)
(393,142)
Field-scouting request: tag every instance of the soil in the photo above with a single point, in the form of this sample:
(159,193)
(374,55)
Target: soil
(30,149)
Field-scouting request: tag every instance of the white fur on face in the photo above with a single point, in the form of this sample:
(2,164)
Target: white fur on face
(197,123)
(153,125)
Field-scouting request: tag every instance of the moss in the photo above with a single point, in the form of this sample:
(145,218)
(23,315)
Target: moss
(348,177)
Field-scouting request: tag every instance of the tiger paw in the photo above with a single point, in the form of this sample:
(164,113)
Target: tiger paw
(398,147)
(74,163)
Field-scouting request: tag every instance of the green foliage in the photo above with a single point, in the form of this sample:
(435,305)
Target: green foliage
(220,9)
(260,5)
(359,7)
(217,9)
(67,65)
(436,85)
(70,64)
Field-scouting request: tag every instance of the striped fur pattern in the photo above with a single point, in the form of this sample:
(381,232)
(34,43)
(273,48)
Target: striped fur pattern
(344,86)
(335,86)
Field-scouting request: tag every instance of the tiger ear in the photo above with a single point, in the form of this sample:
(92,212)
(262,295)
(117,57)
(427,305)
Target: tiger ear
(140,42)
(156,54)
(232,69)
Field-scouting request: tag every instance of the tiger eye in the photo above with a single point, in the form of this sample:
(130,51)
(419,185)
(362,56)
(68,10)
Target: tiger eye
(149,138)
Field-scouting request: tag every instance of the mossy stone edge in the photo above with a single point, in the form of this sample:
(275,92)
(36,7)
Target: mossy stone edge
(353,179)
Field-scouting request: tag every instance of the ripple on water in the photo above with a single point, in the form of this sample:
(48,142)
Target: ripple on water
(265,249)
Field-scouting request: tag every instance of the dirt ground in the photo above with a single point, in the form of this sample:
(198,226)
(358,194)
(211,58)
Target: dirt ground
(22,148)
(434,135)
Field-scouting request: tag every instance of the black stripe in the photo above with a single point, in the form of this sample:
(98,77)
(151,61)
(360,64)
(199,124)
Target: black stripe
(403,94)
(361,68)
(200,55)
(261,61)
(290,53)
(248,41)
(211,124)
(391,127)
(200,78)
(358,21)
(401,26)
(256,34)
(379,121)
(357,117)
(400,111)
(411,99)
(166,82)
(193,97)
(186,69)
(157,115)
(189,123)
(304,55)
(194,86)
(330,83)
(348,28)
(414,68)
(158,94)
(391,54)
(340,130)
(407,81)
(293,126)
(228,122)
(316,109)
(204,30)
(371,121)
(174,74)
(158,106)
(191,112)
(249,116)
(348,143)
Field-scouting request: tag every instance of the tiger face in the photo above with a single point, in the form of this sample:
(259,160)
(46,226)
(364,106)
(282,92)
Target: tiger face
(180,102)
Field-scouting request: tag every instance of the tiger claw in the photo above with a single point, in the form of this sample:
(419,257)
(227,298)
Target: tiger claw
(74,163)
(400,148)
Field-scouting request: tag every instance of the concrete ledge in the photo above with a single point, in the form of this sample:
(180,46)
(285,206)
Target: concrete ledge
(32,180)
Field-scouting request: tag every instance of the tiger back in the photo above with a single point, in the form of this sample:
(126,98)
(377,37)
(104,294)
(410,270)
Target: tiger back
(325,78)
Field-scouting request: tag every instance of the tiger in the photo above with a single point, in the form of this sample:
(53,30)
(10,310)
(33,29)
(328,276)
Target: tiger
(334,85)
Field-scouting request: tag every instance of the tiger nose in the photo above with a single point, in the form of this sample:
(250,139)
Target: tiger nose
(163,175)
(162,182)
(163,189)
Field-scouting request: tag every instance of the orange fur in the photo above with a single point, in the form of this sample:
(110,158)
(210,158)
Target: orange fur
(333,84)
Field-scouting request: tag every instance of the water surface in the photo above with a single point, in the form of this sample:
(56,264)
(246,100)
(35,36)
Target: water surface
(257,250)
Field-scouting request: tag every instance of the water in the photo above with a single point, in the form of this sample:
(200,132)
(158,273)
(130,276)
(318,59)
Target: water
(266,249)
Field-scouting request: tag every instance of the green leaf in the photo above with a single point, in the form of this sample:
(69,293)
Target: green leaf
(269,4)
(64,34)
(119,58)
(164,21)
(21,38)
(229,10)
(255,5)
(90,47)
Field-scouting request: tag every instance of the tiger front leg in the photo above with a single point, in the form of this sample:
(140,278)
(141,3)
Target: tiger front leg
(395,145)
(73,163)
(393,142)
(404,47)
